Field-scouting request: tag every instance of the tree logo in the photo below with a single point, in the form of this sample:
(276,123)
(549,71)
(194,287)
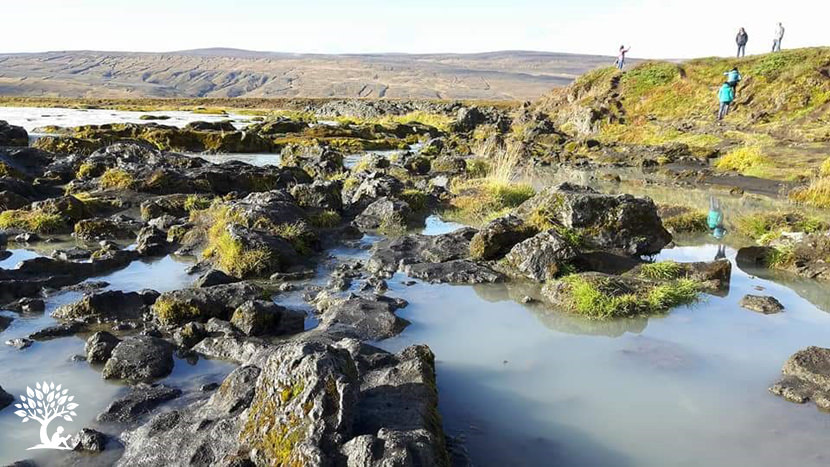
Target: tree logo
(44,404)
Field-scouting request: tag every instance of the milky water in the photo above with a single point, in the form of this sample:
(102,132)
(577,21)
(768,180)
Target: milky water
(51,360)
(35,117)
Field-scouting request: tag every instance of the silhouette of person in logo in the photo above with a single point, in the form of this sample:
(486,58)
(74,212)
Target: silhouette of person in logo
(58,440)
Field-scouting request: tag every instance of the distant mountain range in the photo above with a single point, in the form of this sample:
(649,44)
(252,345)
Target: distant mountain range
(221,72)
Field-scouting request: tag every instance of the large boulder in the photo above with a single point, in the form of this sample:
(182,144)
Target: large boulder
(541,257)
(11,135)
(140,359)
(316,402)
(616,222)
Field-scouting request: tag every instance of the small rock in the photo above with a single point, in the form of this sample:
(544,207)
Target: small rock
(19,342)
(762,304)
(209,387)
(27,237)
(88,440)
(5,398)
(214,277)
(60,330)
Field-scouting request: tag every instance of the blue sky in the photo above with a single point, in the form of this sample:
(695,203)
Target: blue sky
(654,28)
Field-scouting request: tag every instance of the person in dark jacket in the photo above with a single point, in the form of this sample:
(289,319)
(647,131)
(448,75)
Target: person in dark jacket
(742,38)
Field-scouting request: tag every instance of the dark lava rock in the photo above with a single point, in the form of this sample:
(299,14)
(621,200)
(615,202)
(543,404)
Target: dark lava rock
(5,321)
(364,317)
(99,347)
(5,399)
(496,238)
(806,377)
(11,135)
(60,330)
(190,334)
(339,402)
(27,305)
(20,343)
(201,304)
(141,400)
(214,277)
(319,195)
(460,271)
(542,256)
(140,358)
(260,318)
(616,222)
(151,241)
(762,304)
(88,440)
(110,305)
(385,214)
(388,256)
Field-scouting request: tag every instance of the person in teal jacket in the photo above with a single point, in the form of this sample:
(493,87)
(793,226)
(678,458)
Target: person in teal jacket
(715,223)
(726,95)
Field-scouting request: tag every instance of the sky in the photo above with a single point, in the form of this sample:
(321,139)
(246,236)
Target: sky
(653,28)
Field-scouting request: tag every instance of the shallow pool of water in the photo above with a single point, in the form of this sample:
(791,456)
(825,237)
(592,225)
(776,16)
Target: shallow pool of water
(35,117)
(51,360)
(523,385)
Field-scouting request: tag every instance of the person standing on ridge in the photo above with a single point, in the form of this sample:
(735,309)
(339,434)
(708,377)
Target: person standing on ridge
(742,38)
(621,57)
(779,36)
(726,95)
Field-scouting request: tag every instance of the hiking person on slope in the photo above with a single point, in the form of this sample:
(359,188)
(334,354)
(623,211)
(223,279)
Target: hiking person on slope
(621,57)
(779,36)
(741,39)
(733,77)
(726,95)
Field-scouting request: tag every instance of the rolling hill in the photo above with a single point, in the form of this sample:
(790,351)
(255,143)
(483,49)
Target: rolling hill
(513,75)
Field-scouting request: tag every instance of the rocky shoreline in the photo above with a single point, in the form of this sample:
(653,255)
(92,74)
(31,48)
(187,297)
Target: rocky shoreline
(321,396)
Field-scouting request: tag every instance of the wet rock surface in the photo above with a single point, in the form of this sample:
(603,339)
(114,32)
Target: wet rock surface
(762,304)
(622,222)
(5,398)
(364,317)
(321,401)
(99,347)
(140,401)
(139,358)
(806,378)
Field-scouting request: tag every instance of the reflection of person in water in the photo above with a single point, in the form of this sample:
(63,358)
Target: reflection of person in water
(715,224)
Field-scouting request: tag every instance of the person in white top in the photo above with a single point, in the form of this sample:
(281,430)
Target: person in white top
(621,57)
(779,35)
